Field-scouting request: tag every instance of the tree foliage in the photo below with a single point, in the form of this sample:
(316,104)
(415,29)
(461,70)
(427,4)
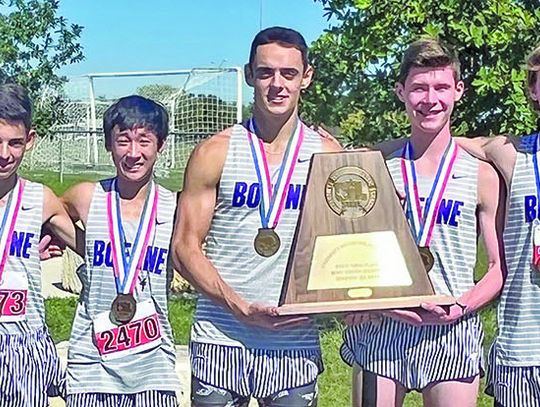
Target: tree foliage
(34,43)
(357,62)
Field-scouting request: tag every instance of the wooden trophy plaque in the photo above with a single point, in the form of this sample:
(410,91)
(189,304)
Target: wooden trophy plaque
(353,249)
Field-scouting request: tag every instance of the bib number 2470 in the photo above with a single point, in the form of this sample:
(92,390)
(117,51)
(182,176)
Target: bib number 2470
(129,337)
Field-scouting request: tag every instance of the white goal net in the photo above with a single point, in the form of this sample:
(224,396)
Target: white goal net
(200,103)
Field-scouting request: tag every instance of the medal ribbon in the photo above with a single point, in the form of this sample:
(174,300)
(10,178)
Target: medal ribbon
(536,153)
(273,199)
(8,223)
(128,265)
(423,222)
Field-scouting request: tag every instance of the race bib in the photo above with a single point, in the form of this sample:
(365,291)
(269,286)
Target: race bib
(13,296)
(536,247)
(116,341)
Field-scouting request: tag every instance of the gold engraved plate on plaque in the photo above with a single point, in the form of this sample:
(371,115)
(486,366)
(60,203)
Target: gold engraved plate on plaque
(360,292)
(350,192)
(356,260)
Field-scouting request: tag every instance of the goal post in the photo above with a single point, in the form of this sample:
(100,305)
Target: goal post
(200,102)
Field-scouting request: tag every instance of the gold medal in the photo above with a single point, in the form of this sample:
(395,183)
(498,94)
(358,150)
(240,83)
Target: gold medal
(123,308)
(266,242)
(427,257)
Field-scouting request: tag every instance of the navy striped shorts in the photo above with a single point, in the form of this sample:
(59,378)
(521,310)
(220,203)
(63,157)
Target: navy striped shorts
(254,372)
(30,370)
(416,356)
(150,398)
(516,386)
(513,385)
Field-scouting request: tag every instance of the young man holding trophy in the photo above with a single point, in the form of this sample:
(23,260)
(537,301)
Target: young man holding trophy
(242,194)
(449,198)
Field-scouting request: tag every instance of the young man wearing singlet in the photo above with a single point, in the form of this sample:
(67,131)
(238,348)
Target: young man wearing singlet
(30,370)
(121,350)
(515,356)
(240,347)
(449,198)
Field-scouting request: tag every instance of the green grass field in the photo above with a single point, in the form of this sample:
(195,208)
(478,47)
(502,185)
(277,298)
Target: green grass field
(335,382)
(52,179)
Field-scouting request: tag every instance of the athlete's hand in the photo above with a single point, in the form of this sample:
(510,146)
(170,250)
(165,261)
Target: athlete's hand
(409,316)
(48,249)
(445,314)
(358,318)
(268,317)
(427,314)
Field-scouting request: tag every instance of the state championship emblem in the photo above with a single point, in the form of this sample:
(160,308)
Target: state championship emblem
(350,192)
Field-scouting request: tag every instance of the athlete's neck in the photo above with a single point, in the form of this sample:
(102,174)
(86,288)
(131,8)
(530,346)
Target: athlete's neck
(275,131)
(7,185)
(133,190)
(428,145)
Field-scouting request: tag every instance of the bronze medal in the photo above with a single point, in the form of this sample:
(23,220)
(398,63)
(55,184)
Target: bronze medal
(123,308)
(427,257)
(266,242)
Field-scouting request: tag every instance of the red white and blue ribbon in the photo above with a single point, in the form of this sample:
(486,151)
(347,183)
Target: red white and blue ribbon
(273,198)
(11,212)
(423,221)
(128,263)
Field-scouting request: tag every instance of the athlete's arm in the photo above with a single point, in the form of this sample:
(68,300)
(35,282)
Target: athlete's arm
(330,144)
(77,199)
(76,202)
(501,151)
(475,146)
(195,212)
(491,217)
(57,220)
(325,134)
(491,205)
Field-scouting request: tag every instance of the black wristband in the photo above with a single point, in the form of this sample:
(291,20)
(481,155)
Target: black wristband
(463,307)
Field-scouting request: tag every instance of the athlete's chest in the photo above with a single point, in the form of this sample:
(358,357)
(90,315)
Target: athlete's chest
(525,189)
(242,189)
(458,193)
(130,239)
(23,226)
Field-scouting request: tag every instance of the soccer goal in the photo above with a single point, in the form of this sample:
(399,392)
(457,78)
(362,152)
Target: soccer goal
(200,103)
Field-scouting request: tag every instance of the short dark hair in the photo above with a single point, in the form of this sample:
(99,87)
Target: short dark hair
(15,105)
(428,53)
(286,37)
(136,111)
